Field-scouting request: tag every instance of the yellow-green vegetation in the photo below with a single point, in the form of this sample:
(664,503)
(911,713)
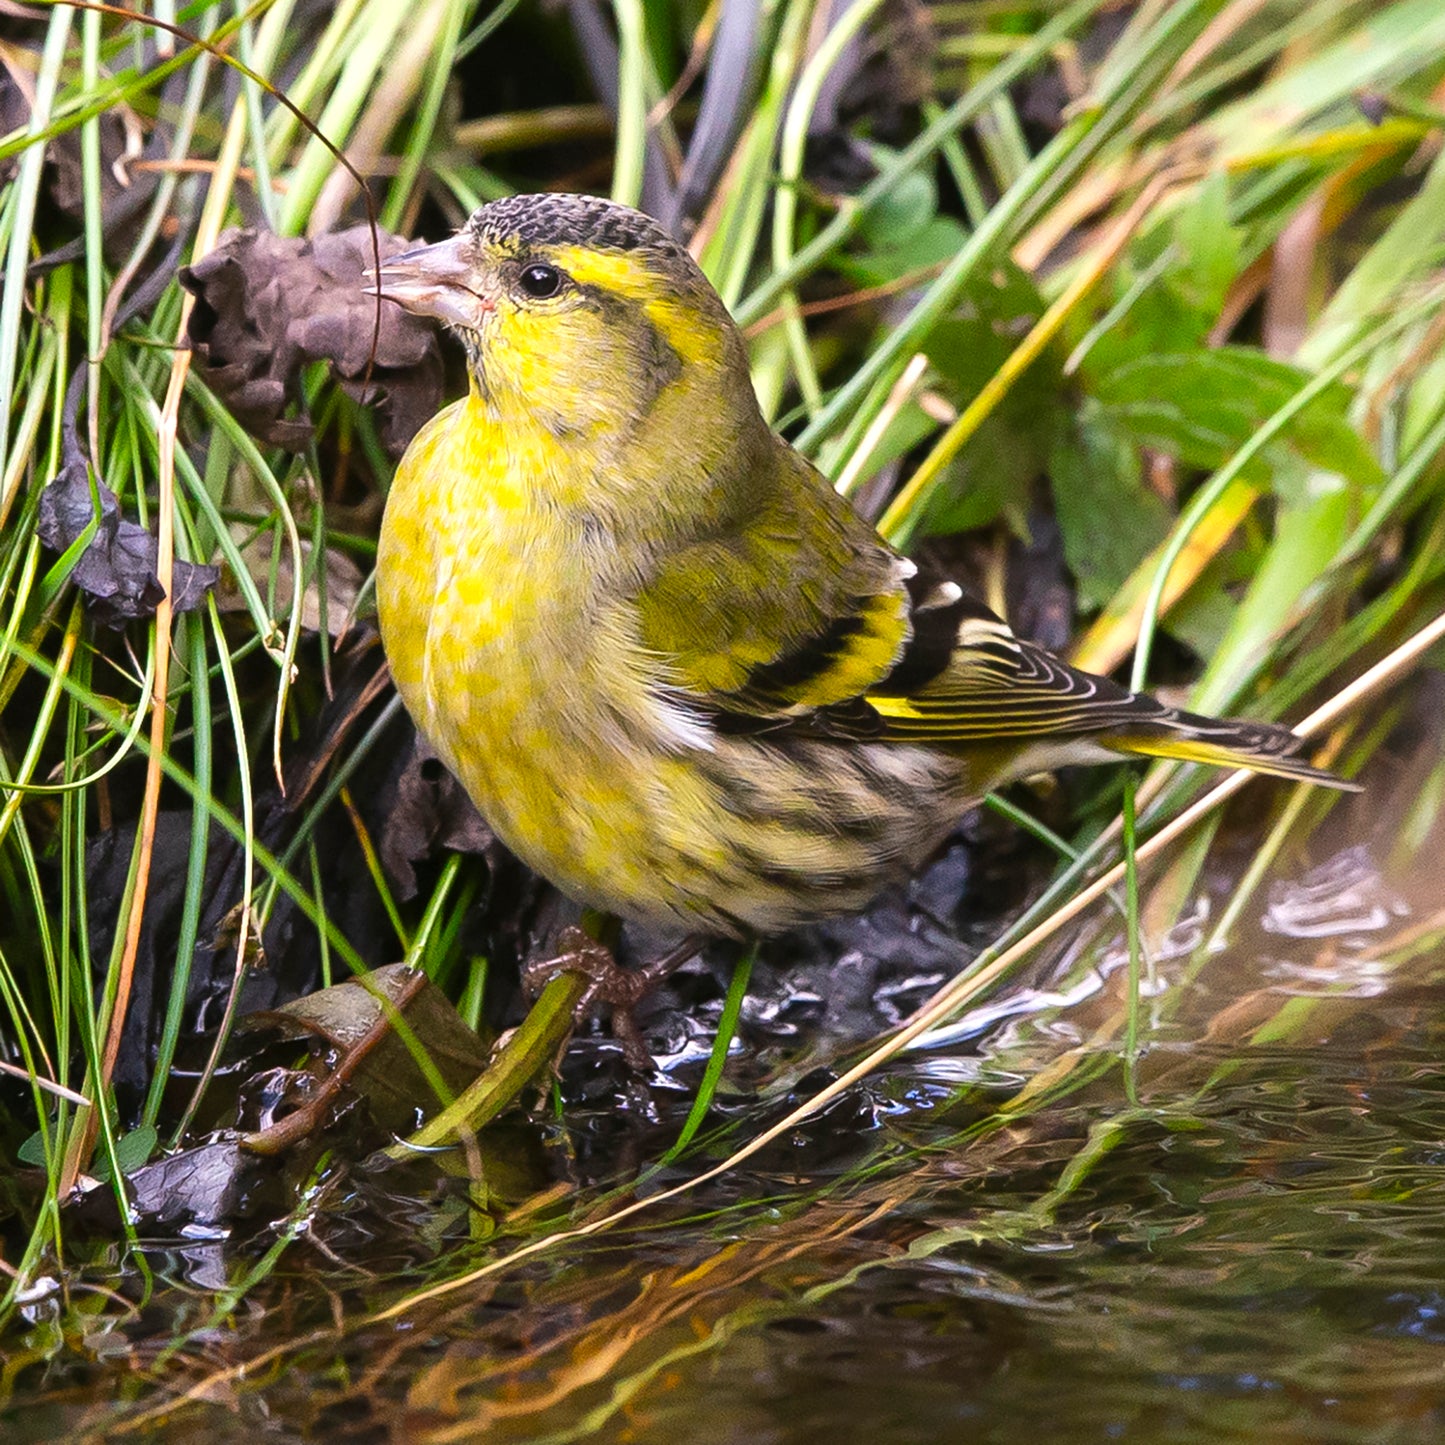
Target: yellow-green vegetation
(1128,317)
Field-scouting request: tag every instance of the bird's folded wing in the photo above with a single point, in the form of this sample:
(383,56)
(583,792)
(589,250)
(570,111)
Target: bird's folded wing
(868,650)
(775,622)
(855,646)
(996,686)
(997,689)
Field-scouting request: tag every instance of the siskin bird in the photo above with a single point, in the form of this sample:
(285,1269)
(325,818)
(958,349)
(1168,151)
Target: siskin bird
(678,675)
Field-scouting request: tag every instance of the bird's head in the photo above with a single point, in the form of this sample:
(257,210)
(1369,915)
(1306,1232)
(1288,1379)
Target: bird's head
(582,315)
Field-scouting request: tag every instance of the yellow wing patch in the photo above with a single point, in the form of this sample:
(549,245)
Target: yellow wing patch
(852,653)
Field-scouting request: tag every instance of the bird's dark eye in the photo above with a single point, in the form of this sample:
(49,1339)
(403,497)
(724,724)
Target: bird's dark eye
(540,281)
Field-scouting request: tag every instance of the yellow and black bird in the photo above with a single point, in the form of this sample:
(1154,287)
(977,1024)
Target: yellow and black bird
(679,676)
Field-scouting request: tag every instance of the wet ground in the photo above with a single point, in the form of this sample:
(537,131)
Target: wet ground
(1255,1251)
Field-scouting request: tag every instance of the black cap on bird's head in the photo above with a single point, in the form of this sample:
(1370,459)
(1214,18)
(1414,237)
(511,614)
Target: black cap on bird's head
(559,219)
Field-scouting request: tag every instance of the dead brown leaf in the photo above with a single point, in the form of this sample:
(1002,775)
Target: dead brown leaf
(267,305)
(117,568)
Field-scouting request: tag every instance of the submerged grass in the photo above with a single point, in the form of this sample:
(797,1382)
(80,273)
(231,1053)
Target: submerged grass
(1167,279)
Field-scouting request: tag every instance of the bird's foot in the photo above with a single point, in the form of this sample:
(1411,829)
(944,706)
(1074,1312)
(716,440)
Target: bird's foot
(621,989)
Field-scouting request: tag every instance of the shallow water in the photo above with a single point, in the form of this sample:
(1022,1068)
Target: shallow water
(1274,1272)
(1256,1251)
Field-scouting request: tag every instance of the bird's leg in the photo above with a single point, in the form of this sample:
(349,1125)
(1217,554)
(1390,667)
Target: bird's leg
(621,989)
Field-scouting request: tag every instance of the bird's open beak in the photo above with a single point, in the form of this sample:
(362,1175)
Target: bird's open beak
(434,281)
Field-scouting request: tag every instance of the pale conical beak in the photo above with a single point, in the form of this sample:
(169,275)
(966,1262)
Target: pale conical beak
(434,281)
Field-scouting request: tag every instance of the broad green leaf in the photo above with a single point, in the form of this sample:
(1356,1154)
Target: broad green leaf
(933,244)
(1109,519)
(994,472)
(1208,246)
(992,317)
(1173,282)
(902,212)
(1201,406)
(989,480)
(133,1149)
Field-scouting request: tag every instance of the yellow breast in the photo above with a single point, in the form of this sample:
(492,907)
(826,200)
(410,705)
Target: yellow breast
(457,568)
(492,631)
(515,647)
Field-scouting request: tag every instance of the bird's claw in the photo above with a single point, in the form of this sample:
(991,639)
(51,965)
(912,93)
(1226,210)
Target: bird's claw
(621,989)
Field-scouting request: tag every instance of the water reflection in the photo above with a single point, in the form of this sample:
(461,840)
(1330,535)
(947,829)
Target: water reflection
(1256,1252)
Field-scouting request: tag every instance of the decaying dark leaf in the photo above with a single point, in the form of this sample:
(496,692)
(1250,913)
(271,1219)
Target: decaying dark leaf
(212,1184)
(204,1185)
(14,113)
(126,141)
(357,1021)
(429,812)
(267,305)
(123,192)
(117,569)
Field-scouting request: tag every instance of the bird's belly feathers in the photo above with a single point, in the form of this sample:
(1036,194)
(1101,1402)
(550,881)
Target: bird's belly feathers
(588,774)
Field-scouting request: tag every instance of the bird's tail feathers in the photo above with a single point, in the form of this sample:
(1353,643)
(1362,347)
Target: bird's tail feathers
(1260,747)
